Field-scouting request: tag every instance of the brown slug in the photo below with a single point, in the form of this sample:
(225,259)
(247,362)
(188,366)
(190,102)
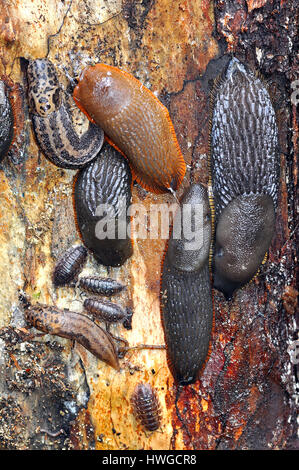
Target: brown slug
(136,123)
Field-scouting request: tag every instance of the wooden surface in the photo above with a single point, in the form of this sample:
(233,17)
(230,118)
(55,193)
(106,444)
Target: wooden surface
(246,397)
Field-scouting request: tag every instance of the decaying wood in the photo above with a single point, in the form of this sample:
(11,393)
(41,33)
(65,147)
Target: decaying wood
(246,397)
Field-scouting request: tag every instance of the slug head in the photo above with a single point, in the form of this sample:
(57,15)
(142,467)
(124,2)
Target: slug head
(243,236)
(101,92)
(44,92)
(192,224)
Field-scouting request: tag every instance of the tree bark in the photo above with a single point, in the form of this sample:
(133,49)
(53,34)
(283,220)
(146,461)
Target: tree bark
(56,395)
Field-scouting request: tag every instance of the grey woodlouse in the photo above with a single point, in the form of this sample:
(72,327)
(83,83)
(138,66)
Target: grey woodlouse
(69,265)
(146,406)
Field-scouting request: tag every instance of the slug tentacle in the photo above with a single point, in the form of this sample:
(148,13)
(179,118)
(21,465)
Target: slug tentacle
(52,120)
(136,123)
(244,175)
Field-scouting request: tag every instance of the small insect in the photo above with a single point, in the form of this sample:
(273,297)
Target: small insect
(69,265)
(146,406)
(52,120)
(186,297)
(244,175)
(73,326)
(6,121)
(101,285)
(104,310)
(127,323)
(102,195)
(137,124)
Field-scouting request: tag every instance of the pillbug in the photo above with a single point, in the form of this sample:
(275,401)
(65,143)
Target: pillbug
(73,326)
(6,121)
(104,310)
(146,406)
(52,120)
(105,186)
(186,298)
(69,265)
(244,174)
(101,285)
(136,122)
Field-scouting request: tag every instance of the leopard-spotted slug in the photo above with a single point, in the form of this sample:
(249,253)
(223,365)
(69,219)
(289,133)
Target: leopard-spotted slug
(52,120)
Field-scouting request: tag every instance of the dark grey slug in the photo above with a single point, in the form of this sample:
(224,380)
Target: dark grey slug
(244,176)
(6,121)
(102,195)
(52,120)
(186,298)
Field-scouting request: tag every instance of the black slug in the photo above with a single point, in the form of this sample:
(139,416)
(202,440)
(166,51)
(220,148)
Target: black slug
(102,194)
(244,176)
(6,121)
(186,298)
(69,265)
(146,406)
(73,326)
(101,285)
(52,120)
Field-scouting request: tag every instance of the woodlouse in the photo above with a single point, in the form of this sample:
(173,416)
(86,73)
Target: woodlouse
(104,310)
(146,406)
(101,285)
(69,265)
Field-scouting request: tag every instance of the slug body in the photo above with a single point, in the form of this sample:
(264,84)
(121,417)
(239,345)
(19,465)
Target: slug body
(6,121)
(105,310)
(101,285)
(245,176)
(186,298)
(102,194)
(52,120)
(73,326)
(136,122)
(146,406)
(69,265)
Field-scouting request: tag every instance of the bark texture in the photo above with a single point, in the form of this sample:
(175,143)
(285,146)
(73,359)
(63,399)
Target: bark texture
(246,397)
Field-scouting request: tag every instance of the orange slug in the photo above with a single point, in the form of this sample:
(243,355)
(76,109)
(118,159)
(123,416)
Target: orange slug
(135,122)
